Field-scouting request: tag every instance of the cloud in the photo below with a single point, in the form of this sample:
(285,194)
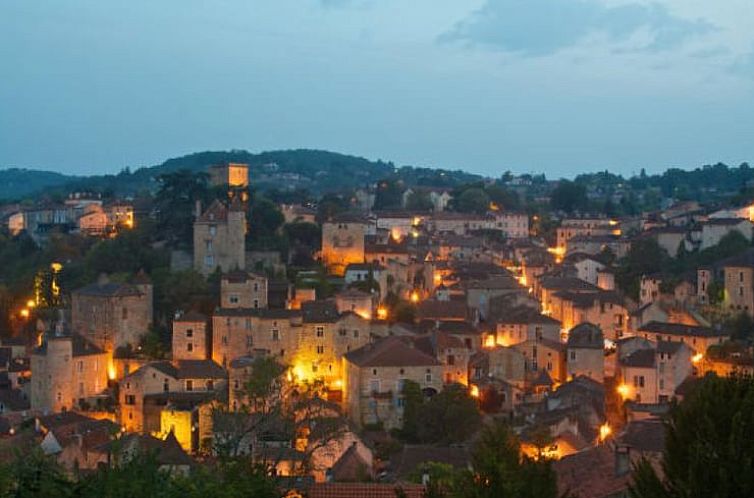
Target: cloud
(543,27)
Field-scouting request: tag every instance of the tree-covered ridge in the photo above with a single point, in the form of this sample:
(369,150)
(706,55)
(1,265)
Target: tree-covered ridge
(16,182)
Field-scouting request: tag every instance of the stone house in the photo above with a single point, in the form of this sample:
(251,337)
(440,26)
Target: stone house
(190,337)
(112,315)
(585,352)
(698,338)
(220,238)
(241,289)
(343,242)
(68,371)
(165,378)
(715,229)
(374,377)
(450,351)
(524,324)
(544,355)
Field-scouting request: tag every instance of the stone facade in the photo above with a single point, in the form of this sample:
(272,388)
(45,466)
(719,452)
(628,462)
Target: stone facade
(112,315)
(67,370)
(190,337)
(343,243)
(241,289)
(220,238)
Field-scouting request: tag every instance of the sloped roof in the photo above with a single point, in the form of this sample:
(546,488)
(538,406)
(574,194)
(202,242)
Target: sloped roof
(192,317)
(320,311)
(641,358)
(216,212)
(350,466)
(586,336)
(363,490)
(435,309)
(520,315)
(390,352)
(412,457)
(679,329)
(110,289)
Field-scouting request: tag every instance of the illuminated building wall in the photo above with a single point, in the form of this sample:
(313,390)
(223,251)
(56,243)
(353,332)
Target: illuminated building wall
(342,244)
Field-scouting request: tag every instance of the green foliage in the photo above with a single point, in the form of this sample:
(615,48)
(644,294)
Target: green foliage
(419,201)
(473,200)
(740,327)
(450,416)
(389,195)
(569,197)
(500,471)
(645,257)
(176,204)
(709,445)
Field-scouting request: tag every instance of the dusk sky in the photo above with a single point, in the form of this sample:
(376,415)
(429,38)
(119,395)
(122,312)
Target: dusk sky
(553,86)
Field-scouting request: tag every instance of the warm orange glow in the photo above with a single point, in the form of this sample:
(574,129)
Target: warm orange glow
(522,280)
(558,252)
(395,234)
(338,384)
(25,313)
(56,267)
(31,303)
(697,358)
(489,341)
(474,391)
(617,232)
(382,313)
(624,390)
(613,222)
(494,207)
(111,370)
(415,296)
(417,221)
(605,431)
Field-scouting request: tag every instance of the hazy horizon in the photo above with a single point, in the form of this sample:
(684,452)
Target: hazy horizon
(558,87)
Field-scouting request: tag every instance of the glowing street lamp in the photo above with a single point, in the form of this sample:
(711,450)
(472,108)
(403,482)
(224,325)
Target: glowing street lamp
(382,313)
(605,431)
(25,313)
(697,358)
(474,391)
(31,303)
(624,390)
(415,297)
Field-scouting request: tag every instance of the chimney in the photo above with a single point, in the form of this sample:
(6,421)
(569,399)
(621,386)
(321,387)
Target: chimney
(622,460)
(198,209)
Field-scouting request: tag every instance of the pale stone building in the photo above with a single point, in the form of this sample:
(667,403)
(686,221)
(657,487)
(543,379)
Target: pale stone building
(68,371)
(241,289)
(374,378)
(190,337)
(343,242)
(181,379)
(585,352)
(220,238)
(112,315)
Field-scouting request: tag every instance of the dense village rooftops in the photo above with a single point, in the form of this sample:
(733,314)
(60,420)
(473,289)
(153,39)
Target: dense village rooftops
(390,352)
(352,293)
(586,336)
(679,329)
(191,317)
(542,379)
(110,289)
(641,358)
(600,239)
(454,240)
(567,284)
(554,345)
(591,473)
(350,466)
(495,283)
(520,315)
(386,248)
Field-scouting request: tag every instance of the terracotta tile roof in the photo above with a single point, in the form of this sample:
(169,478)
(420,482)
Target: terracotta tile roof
(590,474)
(363,490)
(519,315)
(320,311)
(567,284)
(645,435)
(390,352)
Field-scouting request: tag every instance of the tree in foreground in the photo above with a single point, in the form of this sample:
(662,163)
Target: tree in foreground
(502,471)
(709,445)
